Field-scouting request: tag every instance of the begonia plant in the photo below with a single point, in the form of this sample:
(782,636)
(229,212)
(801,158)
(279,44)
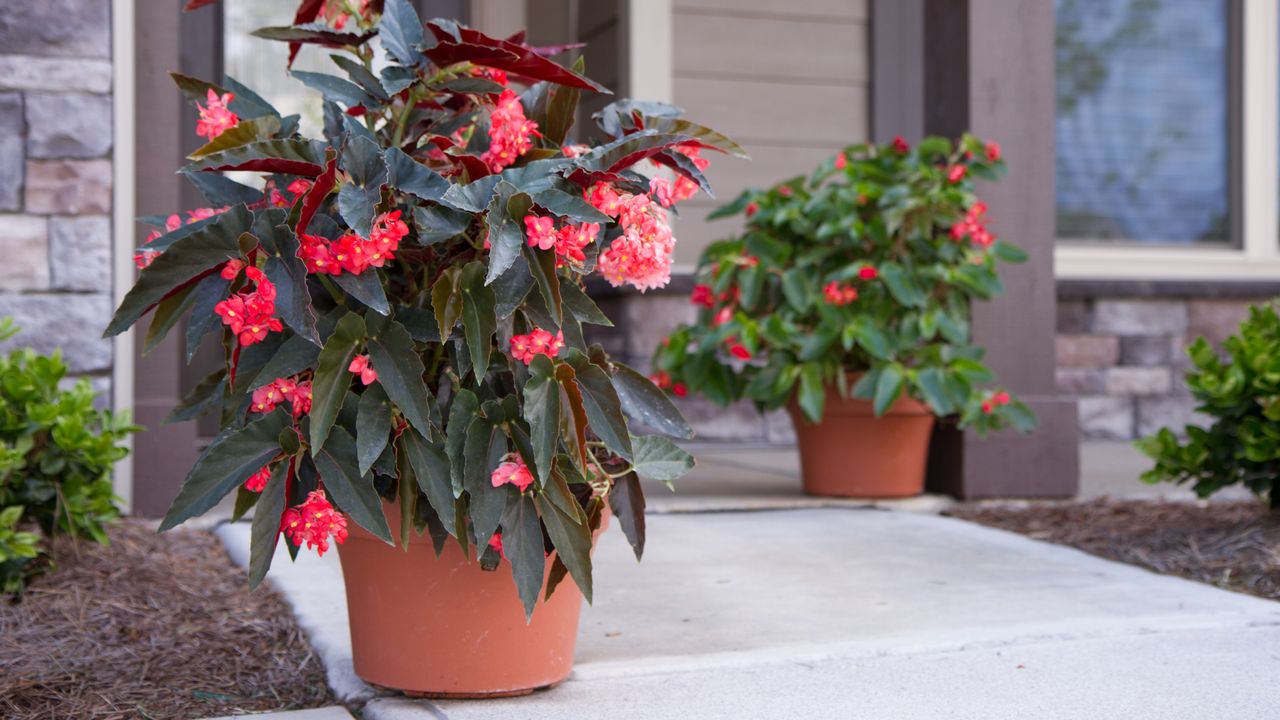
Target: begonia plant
(858,277)
(401,302)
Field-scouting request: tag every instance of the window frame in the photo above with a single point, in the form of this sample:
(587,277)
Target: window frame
(1254,185)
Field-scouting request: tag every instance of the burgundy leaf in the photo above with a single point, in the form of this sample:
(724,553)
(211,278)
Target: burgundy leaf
(526,63)
(282,166)
(319,190)
(196,4)
(308,10)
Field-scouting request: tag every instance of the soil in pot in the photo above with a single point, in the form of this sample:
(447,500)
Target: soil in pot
(853,453)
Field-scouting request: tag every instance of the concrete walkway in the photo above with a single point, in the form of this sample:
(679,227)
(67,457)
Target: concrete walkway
(861,613)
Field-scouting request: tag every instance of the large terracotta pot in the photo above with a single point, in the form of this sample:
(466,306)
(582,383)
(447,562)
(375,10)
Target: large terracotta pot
(442,627)
(852,453)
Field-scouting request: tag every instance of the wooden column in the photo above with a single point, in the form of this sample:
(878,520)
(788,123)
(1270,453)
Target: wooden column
(988,67)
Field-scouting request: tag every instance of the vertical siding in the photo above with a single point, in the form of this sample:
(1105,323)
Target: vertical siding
(791,85)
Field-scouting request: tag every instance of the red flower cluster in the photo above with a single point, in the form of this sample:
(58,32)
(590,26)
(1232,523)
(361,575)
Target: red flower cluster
(313,523)
(352,253)
(836,294)
(973,226)
(737,349)
(538,342)
(360,366)
(510,132)
(703,296)
(249,314)
(900,145)
(296,189)
(641,256)
(257,482)
(516,473)
(568,242)
(956,173)
(216,118)
(996,400)
(297,394)
(663,380)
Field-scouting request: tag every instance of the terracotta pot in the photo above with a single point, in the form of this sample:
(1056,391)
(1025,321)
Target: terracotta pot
(443,628)
(852,453)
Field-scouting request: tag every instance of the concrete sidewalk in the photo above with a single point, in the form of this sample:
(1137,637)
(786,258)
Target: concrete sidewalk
(859,613)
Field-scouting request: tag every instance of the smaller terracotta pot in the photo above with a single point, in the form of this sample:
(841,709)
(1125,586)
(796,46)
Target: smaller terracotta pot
(442,627)
(853,453)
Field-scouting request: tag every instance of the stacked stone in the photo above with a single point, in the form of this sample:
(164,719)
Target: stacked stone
(1125,359)
(55,178)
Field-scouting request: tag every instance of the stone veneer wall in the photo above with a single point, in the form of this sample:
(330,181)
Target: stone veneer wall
(55,178)
(1124,359)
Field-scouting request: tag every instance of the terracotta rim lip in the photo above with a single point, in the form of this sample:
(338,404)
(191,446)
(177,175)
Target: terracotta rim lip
(839,405)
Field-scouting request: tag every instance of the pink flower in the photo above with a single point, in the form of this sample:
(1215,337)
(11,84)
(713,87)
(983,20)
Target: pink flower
(724,315)
(841,161)
(257,482)
(540,231)
(360,366)
(215,118)
(266,398)
(868,273)
(836,294)
(973,226)
(537,342)
(604,198)
(661,379)
(737,349)
(313,523)
(752,209)
(249,314)
(900,145)
(300,400)
(317,255)
(703,296)
(299,187)
(993,151)
(662,191)
(232,269)
(572,240)
(956,173)
(515,473)
(510,132)
(641,256)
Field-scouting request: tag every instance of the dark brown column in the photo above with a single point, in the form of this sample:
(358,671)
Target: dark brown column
(988,67)
(167,40)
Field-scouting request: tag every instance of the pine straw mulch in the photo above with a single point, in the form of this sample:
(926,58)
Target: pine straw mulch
(151,627)
(1233,545)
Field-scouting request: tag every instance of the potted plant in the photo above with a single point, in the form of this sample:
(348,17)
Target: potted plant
(1239,392)
(846,300)
(401,307)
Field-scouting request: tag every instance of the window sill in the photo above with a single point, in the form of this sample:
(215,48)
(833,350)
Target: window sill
(1162,263)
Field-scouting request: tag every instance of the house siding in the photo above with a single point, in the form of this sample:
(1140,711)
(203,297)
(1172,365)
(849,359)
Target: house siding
(55,180)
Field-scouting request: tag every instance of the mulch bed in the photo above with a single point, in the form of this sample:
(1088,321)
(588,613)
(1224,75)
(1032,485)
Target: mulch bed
(1233,545)
(152,627)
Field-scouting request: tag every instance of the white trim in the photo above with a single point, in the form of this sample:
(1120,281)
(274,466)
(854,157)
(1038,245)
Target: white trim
(650,46)
(1259,258)
(122,230)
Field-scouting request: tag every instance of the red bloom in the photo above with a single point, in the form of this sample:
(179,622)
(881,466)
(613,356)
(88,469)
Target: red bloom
(249,314)
(537,342)
(516,473)
(257,482)
(360,366)
(232,269)
(841,161)
(313,523)
(737,349)
(703,296)
(215,119)
(495,542)
(572,240)
(868,273)
(956,173)
(993,151)
(900,145)
(723,316)
(752,209)
(540,231)
(679,390)
(836,294)
(661,379)
(510,132)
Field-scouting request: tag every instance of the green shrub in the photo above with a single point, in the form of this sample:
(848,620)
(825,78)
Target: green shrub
(56,455)
(1242,395)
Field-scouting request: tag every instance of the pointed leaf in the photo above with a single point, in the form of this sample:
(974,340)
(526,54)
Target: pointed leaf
(603,408)
(329,386)
(438,223)
(357,200)
(409,175)
(542,412)
(228,461)
(335,89)
(431,468)
(288,157)
(353,491)
(400,371)
(572,542)
(293,299)
(367,288)
(522,544)
(646,403)
(479,318)
(265,531)
(657,458)
(373,426)
(485,448)
(400,30)
(626,499)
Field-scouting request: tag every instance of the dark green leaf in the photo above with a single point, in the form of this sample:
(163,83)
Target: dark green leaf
(888,388)
(464,409)
(362,76)
(479,316)
(486,502)
(357,200)
(265,530)
(572,542)
(522,544)
(168,313)
(228,461)
(420,322)
(512,287)
(373,426)
(353,491)
(367,288)
(294,356)
(437,223)
(329,387)
(288,157)
(185,260)
(431,468)
(409,175)
(206,394)
(335,89)
(581,306)
(221,191)
(626,499)
(446,301)
(657,458)
(563,204)
(542,263)
(645,403)
(542,412)
(506,236)
(603,408)
(293,299)
(400,371)
(203,320)
(812,395)
(400,30)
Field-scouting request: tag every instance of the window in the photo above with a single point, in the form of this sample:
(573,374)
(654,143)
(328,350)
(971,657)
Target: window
(1142,120)
(1168,139)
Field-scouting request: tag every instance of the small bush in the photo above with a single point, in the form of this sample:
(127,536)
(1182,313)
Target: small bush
(1242,394)
(56,455)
